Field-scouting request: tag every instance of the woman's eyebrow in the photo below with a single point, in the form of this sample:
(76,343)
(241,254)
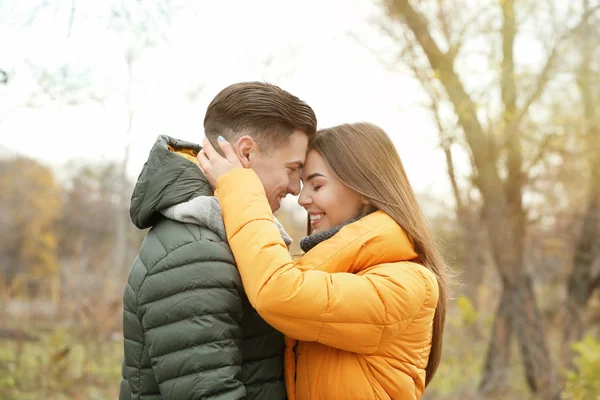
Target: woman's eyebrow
(314,175)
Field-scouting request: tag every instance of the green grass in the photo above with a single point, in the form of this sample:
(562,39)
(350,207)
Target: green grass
(63,364)
(70,362)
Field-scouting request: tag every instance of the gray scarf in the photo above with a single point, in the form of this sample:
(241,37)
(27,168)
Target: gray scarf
(311,241)
(206,211)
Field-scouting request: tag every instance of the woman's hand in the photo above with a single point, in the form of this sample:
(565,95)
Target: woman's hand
(214,165)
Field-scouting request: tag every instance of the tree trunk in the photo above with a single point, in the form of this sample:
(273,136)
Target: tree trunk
(527,319)
(579,289)
(468,221)
(578,286)
(475,246)
(502,200)
(529,326)
(497,358)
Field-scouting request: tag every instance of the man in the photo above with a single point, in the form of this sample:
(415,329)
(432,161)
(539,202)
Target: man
(190,332)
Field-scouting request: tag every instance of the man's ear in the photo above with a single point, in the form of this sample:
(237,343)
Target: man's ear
(246,149)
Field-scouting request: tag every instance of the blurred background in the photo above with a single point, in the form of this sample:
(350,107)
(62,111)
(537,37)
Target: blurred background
(492,105)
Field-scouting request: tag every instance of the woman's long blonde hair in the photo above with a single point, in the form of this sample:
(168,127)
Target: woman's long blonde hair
(364,158)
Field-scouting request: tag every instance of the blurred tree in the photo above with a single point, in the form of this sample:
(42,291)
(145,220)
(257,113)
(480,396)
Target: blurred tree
(30,208)
(437,32)
(141,28)
(580,284)
(88,229)
(471,242)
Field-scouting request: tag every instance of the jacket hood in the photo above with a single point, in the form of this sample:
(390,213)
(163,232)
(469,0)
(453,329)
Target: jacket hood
(206,211)
(167,179)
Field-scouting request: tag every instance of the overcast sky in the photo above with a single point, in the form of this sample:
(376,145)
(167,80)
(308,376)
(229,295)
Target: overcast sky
(309,48)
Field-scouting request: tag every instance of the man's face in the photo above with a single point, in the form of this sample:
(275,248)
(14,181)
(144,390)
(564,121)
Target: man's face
(279,171)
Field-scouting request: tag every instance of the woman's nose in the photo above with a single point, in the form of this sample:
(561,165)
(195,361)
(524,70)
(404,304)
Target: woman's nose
(304,199)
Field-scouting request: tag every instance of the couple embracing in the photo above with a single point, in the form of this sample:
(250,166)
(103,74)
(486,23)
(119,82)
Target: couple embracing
(216,308)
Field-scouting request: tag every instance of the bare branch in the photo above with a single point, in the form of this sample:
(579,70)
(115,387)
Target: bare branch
(444,22)
(543,149)
(463,104)
(62,85)
(71,18)
(457,42)
(424,75)
(166,15)
(446,143)
(391,65)
(193,94)
(544,76)
(446,140)
(34,13)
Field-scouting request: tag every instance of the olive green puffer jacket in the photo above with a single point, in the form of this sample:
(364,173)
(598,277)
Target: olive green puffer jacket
(189,330)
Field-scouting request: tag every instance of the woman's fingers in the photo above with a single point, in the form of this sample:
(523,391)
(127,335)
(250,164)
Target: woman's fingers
(228,150)
(213,165)
(208,149)
(203,161)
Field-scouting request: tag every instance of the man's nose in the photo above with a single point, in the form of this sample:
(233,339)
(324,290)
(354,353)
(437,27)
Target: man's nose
(294,187)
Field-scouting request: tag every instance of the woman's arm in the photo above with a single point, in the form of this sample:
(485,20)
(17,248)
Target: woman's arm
(341,310)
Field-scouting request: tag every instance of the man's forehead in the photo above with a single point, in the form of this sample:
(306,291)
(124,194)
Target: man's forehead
(295,155)
(298,142)
(294,151)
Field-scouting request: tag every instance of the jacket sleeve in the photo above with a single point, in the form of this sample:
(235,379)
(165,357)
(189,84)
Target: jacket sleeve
(342,310)
(191,315)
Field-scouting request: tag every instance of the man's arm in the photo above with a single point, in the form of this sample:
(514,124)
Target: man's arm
(191,315)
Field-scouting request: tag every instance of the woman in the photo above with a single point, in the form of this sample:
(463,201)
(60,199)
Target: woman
(367,301)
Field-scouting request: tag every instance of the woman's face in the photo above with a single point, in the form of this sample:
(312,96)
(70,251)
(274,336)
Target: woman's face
(327,200)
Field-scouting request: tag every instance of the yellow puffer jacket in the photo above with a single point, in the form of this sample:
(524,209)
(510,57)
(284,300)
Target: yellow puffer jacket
(361,312)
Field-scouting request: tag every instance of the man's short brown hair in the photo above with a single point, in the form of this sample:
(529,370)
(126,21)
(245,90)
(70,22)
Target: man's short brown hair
(264,111)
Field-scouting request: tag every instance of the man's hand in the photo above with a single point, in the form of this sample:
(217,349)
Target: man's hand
(213,165)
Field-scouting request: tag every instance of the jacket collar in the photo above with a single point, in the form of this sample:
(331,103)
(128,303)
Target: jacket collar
(374,239)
